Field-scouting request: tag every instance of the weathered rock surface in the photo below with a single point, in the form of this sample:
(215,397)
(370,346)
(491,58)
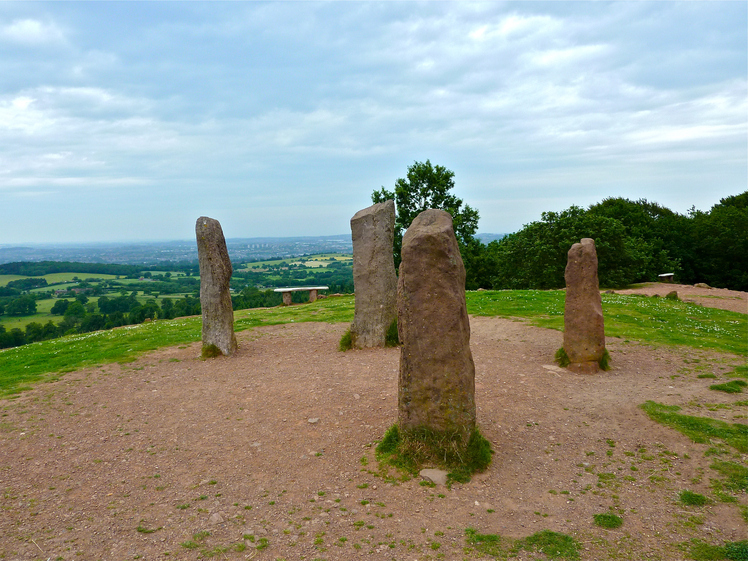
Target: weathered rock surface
(374,278)
(437,373)
(438,476)
(215,275)
(584,332)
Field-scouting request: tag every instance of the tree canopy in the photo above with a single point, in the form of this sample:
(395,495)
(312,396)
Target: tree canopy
(426,186)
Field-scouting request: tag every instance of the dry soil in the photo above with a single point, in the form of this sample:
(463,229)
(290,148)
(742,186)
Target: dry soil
(172,457)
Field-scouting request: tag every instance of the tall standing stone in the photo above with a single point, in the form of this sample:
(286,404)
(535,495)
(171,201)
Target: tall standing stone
(374,278)
(584,332)
(437,373)
(215,276)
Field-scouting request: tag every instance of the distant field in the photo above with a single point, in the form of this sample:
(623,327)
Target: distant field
(54,278)
(5,279)
(42,316)
(311,261)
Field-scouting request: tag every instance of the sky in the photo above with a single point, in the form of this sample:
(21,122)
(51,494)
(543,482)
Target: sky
(126,121)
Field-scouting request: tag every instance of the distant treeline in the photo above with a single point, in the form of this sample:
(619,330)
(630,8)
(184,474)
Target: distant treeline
(79,315)
(37,269)
(636,241)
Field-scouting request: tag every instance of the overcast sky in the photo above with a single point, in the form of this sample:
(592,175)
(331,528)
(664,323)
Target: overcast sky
(127,121)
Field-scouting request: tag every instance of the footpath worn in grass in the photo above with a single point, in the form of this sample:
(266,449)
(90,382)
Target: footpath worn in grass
(650,320)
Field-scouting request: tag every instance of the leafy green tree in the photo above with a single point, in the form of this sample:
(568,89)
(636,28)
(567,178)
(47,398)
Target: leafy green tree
(21,306)
(60,307)
(427,186)
(75,311)
(535,257)
(720,244)
(34,332)
(50,330)
(92,322)
(656,231)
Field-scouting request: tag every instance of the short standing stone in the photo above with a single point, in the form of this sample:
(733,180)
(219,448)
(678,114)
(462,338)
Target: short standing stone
(374,278)
(215,276)
(584,332)
(437,374)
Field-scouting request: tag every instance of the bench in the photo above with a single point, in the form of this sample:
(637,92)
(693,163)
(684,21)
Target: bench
(287,292)
(666,277)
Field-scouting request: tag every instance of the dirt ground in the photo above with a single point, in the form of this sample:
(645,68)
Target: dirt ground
(172,457)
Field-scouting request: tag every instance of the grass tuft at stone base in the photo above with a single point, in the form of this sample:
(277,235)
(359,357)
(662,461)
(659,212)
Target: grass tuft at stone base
(605,360)
(346,341)
(392,337)
(415,449)
(562,359)
(210,351)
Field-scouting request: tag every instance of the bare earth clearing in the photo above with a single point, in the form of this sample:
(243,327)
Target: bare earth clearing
(135,461)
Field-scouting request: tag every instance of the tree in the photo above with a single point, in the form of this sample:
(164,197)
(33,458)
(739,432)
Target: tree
(535,257)
(60,307)
(21,306)
(427,187)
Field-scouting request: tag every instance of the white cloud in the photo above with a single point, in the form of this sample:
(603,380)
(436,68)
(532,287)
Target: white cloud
(31,32)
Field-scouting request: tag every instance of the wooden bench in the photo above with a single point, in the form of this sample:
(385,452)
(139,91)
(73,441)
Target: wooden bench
(287,292)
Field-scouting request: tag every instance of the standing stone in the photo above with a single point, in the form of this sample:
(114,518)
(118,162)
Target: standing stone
(584,333)
(215,299)
(437,374)
(374,278)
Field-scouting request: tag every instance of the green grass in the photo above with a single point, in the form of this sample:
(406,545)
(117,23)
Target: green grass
(737,475)
(651,320)
(553,544)
(412,450)
(607,520)
(702,551)
(698,429)
(689,498)
(736,386)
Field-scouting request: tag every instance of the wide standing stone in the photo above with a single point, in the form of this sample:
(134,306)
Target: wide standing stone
(215,276)
(374,278)
(437,373)
(584,332)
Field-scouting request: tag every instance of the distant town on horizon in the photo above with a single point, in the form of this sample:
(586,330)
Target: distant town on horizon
(153,252)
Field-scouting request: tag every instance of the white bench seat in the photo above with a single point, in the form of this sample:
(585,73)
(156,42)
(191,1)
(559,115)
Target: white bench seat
(287,292)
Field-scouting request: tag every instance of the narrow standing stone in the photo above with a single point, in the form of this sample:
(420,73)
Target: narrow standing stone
(437,374)
(374,278)
(584,332)
(215,276)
